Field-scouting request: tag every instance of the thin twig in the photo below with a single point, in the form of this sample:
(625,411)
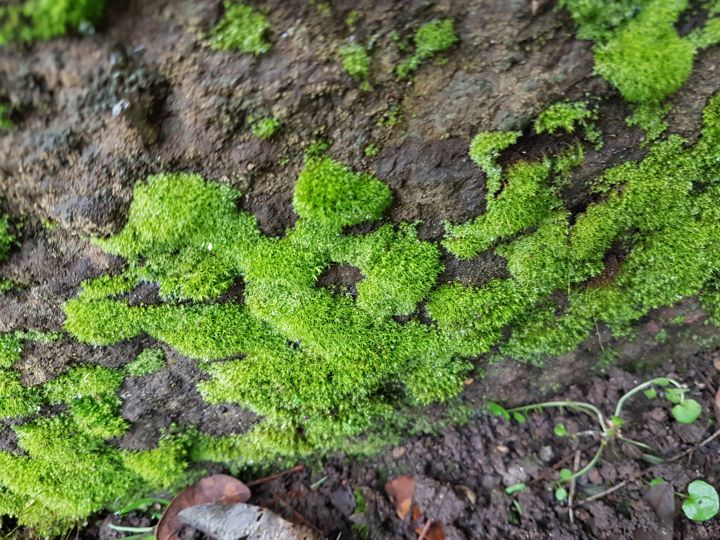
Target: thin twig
(298,516)
(425,529)
(576,464)
(296,468)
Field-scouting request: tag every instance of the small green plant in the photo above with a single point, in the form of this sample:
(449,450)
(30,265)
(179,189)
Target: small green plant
(356,61)
(431,38)
(701,502)
(264,128)
(38,20)
(371,150)
(5,120)
(241,29)
(685,411)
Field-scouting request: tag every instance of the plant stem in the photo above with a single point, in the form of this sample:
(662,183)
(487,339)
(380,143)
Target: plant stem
(639,388)
(587,468)
(121,528)
(587,408)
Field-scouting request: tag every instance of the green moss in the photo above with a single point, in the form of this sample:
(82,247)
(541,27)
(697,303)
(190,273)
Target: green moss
(163,467)
(36,20)
(241,29)
(564,116)
(6,238)
(331,194)
(596,19)
(5,120)
(11,344)
(430,39)
(264,128)
(355,61)
(485,149)
(371,150)
(148,361)
(650,118)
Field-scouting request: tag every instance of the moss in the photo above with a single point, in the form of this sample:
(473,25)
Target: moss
(148,361)
(36,20)
(650,118)
(485,149)
(11,344)
(596,19)
(241,29)
(564,116)
(6,238)
(355,61)
(264,128)
(5,120)
(371,150)
(430,39)
(332,195)
(163,467)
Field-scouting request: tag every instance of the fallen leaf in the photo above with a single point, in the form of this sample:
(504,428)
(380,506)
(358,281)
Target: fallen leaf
(467,492)
(217,488)
(401,490)
(240,520)
(435,532)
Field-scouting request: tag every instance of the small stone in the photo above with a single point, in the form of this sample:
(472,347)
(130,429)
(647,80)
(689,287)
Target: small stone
(502,449)
(594,477)
(546,454)
(398,452)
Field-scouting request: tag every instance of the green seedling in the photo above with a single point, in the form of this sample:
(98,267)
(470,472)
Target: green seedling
(701,502)
(685,411)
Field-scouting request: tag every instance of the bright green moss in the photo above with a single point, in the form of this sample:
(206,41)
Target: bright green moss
(597,18)
(431,38)
(355,61)
(241,29)
(36,20)
(485,149)
(150,360)
(11,344)
(264,128)
(647,60)
(564,116)
(163,467)
(332,195)
(650,118)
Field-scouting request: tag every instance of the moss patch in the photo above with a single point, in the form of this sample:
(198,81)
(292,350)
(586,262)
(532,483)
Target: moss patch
(431,38)
(148,361)
(36,20)
(264,128)
(355,61)
(241,29)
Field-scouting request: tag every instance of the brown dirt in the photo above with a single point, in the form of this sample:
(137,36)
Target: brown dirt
(145,94)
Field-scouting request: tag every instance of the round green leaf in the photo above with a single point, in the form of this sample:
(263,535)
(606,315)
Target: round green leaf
(561,494)
(650,393)
(565,474)
(675,395)
(560,430)
(687,411)
(702,501)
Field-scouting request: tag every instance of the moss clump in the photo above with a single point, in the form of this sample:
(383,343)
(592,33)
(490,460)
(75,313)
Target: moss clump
(11,344)
(241,29)
(650,118)
(6,238)
(355,61)
(646,60)
(485,149)
(431,38)
(148,361)
(264,128)
(5,120)
(36,20)
(564,116)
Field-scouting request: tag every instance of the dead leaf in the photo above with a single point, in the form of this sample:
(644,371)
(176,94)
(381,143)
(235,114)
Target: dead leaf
(435,532)
(240,520)
(217,488)
(467,492)
(401,490)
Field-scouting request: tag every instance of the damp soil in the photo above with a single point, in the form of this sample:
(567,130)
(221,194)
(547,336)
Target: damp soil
(95,114)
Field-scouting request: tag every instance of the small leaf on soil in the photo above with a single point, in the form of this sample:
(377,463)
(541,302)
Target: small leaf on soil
(560,430)
(401,490)
(240,520)
(656,481)
(675,395)
(565,474)
(519,418)
(687,411)
(702,501)
(515,488)
(217,488)
(650,393)
(498,410)
(561,494)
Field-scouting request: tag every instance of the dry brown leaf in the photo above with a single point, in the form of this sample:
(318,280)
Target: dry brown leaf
(401,490)
(434,532)
(217,488)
